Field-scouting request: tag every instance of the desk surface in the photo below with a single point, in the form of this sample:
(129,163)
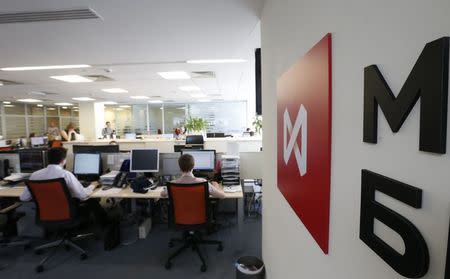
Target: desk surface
(126,193)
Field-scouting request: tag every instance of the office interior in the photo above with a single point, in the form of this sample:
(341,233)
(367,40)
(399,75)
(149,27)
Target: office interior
(126,93)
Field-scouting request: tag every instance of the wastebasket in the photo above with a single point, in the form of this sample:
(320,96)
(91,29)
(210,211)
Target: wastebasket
(249,267)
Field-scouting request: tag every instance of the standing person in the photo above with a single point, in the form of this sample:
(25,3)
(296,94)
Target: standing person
(53,132)
(70,133)
(107,131)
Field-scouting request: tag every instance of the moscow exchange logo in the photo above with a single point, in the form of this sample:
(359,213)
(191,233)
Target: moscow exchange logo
(300,122)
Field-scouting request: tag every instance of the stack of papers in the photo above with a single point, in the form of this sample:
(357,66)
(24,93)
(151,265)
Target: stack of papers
(230,171)
(232,189)
(108,179)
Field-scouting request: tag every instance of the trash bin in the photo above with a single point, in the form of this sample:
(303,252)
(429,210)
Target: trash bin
(249,267)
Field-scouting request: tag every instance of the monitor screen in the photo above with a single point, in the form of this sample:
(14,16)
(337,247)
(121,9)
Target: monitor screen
(36,141)
(31,160)
(86,164)
(170,166)
(144,160)
(205,160)
(130,136)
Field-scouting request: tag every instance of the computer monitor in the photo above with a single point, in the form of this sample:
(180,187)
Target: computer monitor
(194,139)
(130,136)
(32,160)
(87,164)
(205,160)
(169,164)
(111,148)
(38,141)
(144,160)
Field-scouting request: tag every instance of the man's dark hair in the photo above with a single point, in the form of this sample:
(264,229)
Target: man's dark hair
(56,155)
(107,122)
(186,162)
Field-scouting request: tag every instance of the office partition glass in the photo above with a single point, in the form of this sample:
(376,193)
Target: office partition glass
(155,115)
(139,120)
(174,117)
(227,117)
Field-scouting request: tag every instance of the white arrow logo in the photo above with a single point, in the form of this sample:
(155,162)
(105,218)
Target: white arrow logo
(300,122)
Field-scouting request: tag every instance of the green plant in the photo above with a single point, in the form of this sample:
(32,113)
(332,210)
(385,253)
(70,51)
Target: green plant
(257,123)
(196,124)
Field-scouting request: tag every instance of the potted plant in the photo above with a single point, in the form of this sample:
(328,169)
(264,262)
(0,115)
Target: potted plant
(257,124)
(196,125)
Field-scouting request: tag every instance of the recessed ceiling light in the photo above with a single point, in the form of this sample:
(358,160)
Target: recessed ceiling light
(9,106)
(215,61)
(63,104)
(29,100)
(83,99)
(115,90)
(189,88)
(119,108)
(72,78)
(109,103)
(174,75)
(198,95)
(204,100)
(125,106)
(1,83)
(155,101)
(39,106)
(29,68)
(139,97)
(6,102)
(51,108)
(64,107)
(75,107)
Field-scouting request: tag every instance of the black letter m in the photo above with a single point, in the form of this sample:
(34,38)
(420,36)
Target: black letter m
(428,81)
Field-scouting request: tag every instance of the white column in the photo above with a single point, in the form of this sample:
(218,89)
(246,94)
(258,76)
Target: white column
(92,120)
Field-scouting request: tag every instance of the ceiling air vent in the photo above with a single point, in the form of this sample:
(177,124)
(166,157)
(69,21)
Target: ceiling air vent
(204,74)
(20,17)
(98,78)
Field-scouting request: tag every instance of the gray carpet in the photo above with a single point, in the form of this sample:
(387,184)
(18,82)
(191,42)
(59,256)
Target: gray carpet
(140,258)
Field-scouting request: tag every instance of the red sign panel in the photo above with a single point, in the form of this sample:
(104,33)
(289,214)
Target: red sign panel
(304,139)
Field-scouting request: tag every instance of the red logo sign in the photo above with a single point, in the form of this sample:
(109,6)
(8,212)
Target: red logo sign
(304,139)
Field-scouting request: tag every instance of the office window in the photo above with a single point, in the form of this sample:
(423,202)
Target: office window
(36,125)
(155,114)
(174,117)
(15,127)
(52,111)
(65,111)
(33,110)
(139,120)
(121,119)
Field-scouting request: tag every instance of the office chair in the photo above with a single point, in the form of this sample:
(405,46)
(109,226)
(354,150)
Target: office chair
(56,143)
(8,227)
(189,213)
(56,211)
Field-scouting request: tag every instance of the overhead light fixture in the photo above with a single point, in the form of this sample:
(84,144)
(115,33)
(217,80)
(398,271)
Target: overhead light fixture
(115,90)
(63,104)
(198,95)
(204,100)
(51,108)
(39,106)
(83,99)
(139,97)
(64,107)
(72,78)
(125,106)
(54,67)
(215,61)
(1,83)
(6,102)
(109,103)
(189,88)
(174,75)
(29,100)
(75,107)
(9,106)
(119,109)
(155,101)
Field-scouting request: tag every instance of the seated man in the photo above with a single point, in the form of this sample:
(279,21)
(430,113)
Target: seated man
(55,169)
(186,163)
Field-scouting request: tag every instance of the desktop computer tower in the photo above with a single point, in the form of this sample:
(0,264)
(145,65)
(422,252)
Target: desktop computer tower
(4,168)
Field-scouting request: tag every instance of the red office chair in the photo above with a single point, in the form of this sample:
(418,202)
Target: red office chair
(56,211)
(56,143)
(189,212)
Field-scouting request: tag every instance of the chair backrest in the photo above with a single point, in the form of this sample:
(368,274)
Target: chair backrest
(54,203)
(189,203)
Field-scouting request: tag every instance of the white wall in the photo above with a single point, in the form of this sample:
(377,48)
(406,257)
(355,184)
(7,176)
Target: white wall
(92,120)
(390,34)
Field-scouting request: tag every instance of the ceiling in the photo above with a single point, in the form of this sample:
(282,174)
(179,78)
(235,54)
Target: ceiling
(130,43)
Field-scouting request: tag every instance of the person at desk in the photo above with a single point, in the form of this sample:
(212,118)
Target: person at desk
(53,132)
(186,163)
(70,133)
(55,169)
(107,132)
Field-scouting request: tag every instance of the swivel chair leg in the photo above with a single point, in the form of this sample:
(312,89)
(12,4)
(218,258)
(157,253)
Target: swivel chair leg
(197,250)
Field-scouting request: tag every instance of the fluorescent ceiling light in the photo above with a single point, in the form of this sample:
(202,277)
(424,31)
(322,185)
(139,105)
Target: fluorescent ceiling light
(39,106)
(174,75)
(139,97)
(155,101)
(83,99)
(1,83)
(64,107)
(125,106)
(119,108)
(51,108)
(6,102)
(75,107)
(9,106)
(115,90)
(54,67)
(63,104)
(198,95)
(189,88)
(72,78)
(213,61)
(29,100)
(109,103)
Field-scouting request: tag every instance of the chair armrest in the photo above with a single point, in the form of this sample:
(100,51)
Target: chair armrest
(10,208)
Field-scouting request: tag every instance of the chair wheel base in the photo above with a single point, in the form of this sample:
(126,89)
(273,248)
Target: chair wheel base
(168,265)
(39,268)
(83,257)
(203,268)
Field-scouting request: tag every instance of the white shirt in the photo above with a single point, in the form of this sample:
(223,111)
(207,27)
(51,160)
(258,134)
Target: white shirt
(56,171)
(189,178)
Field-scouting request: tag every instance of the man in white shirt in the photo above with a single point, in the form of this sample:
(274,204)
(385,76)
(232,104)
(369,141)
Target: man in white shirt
(55,169)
